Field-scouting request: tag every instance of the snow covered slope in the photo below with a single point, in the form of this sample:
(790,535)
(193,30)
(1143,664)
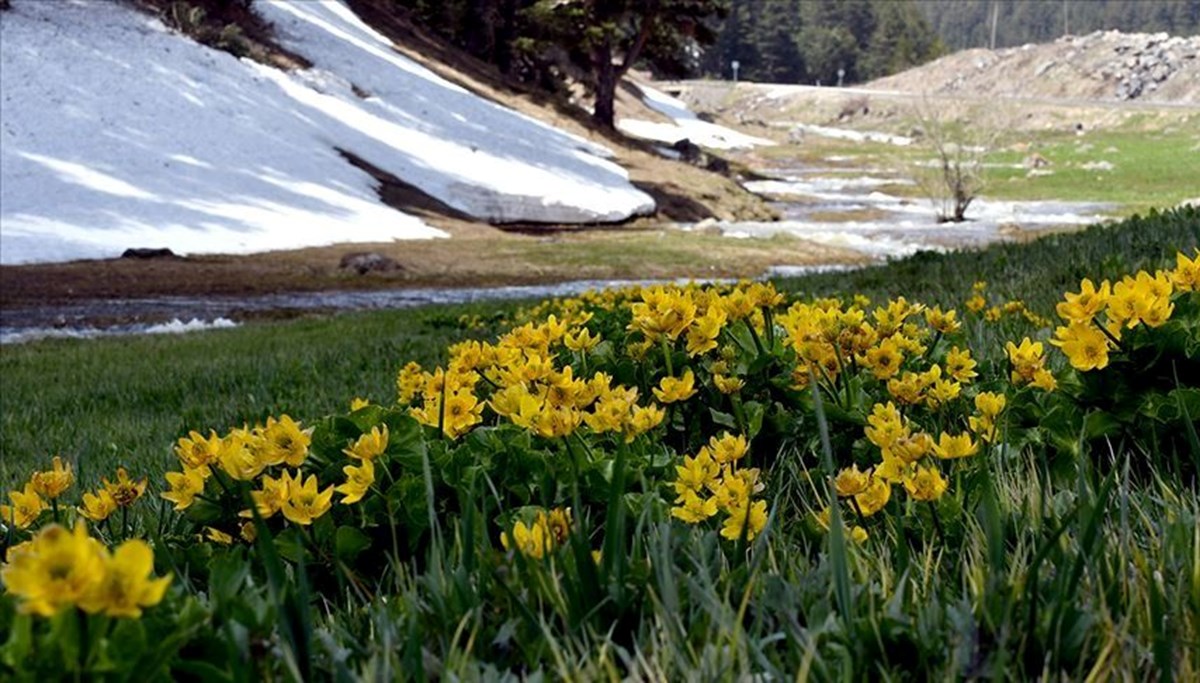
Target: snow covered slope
(685,125)
(116,133)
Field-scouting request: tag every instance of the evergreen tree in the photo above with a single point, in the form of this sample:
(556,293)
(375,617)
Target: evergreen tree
(603,39)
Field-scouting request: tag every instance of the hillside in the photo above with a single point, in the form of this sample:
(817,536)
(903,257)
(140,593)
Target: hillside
(1106,65)
(207,153)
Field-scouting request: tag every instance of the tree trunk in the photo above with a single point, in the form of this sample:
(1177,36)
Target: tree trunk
(603,110)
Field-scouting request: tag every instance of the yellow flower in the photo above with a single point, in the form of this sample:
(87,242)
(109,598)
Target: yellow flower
(370,445)
(53,482)
(127,587)
(217,536)
(98,506)
(248,532)
(1082,307)
(702,335)
(27,506)
(731,491)
(532,541)
(976,303)
(57,569)
(409,383)
(874,498)
(641,420)
(671,389)
(693,509)
(884,360)
(271,497)
(238,458)
(124,491)
(959,446)
(305,503)
(1044,379)
(557,523)
(748,520)
(695,473)
(946,323)
(358,403)
(910,449)
(990,404)
(885,426)
(728,448)
(581,341)
(728,384)
(197,452)
(960,365)
(1085,346)
(942,392)
(1026,359)
(1186,276)
(851,482)
(358,481)
(858,534)
(184,486)
(908,389)
(663,312)
(463,411)
(925,483)
(285,442)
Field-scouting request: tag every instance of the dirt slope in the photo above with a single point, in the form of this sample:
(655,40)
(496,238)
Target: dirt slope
(1106,65)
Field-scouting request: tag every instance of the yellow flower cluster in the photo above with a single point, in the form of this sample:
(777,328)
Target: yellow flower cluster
(59,568)
(1029,365)
(548,531)
(711,482)
(1096,316)
(528,386)
(29,503)
(263,454)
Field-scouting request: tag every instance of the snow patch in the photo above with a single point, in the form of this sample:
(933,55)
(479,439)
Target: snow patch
(176,326)
(118,133)
(684,125)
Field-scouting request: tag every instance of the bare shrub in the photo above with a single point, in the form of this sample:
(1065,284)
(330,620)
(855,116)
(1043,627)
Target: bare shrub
(953,178)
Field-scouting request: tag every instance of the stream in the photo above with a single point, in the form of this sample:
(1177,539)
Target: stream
(819,204)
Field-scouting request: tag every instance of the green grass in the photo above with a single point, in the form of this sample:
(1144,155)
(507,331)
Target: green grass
(108,402)
(1155,165)
(1150,169)
(124,401)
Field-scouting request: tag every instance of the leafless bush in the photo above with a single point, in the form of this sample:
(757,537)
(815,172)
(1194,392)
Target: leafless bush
(953,178)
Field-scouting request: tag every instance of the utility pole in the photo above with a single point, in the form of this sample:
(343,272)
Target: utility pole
(995,18)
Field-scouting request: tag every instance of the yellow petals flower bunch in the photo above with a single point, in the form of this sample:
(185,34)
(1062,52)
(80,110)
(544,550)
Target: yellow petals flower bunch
(712,482)
(59,569)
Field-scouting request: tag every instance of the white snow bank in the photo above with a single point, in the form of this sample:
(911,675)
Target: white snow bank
(847,134)
(175,326)
(470,153)
(684,125)
(117,133)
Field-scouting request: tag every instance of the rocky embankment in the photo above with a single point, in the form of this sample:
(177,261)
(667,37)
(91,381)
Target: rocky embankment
(1105,65)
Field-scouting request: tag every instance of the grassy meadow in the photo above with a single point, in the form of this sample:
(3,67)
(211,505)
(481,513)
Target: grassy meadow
(762,483)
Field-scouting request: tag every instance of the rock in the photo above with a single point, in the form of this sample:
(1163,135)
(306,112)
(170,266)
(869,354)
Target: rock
(1036,160)
(369,262)
(1190,202)
(148,253)
(1097,166)
(688,150)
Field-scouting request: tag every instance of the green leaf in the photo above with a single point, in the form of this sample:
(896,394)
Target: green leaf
(349,542)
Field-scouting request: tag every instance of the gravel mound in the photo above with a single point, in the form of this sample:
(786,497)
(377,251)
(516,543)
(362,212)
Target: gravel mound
(1105,65)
